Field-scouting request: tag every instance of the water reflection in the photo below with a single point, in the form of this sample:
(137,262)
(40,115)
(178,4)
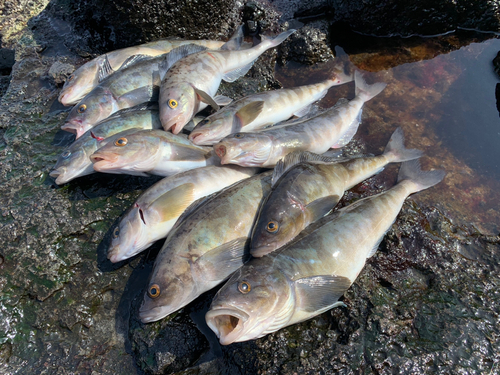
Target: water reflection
(447,106)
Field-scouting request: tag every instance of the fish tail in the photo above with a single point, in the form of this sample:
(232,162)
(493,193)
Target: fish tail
(410,170)
(278,39)
(364,90)
(396,150)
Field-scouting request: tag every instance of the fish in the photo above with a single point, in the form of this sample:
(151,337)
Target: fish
(308,186)
(205,248)
(190,82)
(90,74)
(151,152)
(130,86)
(75,160)
(260,110)
(156,211)
(307,277)
(332,128)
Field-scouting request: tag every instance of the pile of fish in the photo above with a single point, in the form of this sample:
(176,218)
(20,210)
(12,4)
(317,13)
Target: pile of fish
(275,233)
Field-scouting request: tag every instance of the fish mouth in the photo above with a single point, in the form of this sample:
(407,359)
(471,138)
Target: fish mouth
(102,162)
(60,175)
(220,151)
(114,255)
(65,99)
(260,251)
(227,323)
(193,136)
(154,314)
(74,127)
(202,139)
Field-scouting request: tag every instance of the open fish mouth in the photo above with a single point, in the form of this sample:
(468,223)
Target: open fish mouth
(60,175)
(228,324)
(101,162)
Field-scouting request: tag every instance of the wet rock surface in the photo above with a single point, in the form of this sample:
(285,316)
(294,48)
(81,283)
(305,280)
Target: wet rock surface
(426,302)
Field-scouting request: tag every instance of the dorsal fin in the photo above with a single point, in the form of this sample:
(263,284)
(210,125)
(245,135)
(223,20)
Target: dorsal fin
(105,69)
(295,158)
(176,54)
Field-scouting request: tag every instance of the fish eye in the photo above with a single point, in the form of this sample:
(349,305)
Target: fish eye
(244,287)
(154,291)
(82,108)
(120,142)
(66,154)
(116,232)
(172,103)
(70,78)
(239,135)
(272,226)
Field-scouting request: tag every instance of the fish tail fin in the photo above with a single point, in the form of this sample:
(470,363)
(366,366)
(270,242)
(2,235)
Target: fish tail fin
(364,90)
(410,170)
(278,39)
(396,150)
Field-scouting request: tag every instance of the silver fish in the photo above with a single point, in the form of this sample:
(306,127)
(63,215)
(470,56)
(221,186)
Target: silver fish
(130,86)
(75,160)
(155,212)
(257,111)
(307,186)
(90,74)
(151,152)
(332,128)
(308,276)
(191,82)
(205,248)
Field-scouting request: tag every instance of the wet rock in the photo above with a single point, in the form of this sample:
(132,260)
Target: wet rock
(169,345)
(307,46)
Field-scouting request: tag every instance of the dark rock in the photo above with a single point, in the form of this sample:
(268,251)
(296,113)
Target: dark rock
(306,46)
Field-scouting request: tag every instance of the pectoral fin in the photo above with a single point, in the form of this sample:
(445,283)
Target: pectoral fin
(140,95)
(219,263)
(320,293)
(205,98)
(222,100)
(172,204)
(320,207)
(233,75)
(247,114)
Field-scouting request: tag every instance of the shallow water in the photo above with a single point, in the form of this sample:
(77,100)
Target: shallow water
(447,107)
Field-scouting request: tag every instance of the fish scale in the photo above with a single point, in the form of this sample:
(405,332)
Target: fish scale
(315,269)
(192,81)
(277,105)
(307,186)
(333,128)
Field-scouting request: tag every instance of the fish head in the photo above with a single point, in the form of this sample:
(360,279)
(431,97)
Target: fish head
(177,106)
(212,129)
(281,219)
(130,236)
(94,107)
(245,149)
(255,301)
(170,288)
(73,162)
(79,84)
(127,152)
